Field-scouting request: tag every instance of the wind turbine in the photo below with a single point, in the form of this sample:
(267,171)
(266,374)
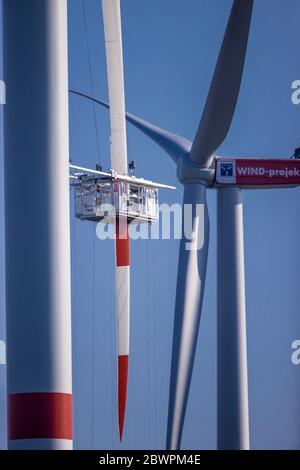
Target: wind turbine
(198,168)
(135,200)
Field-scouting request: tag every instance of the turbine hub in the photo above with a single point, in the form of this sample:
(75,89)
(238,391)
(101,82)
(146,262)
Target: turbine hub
(190,172)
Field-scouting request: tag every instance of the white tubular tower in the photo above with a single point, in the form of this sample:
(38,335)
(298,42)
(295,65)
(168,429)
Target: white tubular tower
(37,225)
(233,410)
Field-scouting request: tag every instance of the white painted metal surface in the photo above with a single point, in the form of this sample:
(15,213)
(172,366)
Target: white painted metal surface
(125,178)
(115,73)
(38,239)
(41,444)
(233,409)
(100,200)
(123,309)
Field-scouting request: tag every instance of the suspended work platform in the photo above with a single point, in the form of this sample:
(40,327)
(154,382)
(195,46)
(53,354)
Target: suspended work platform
(104,196)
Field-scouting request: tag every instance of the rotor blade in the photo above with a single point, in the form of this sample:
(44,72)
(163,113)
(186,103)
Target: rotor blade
(189,297)
(175,145)
(225,86)
(115,75)
(123,314)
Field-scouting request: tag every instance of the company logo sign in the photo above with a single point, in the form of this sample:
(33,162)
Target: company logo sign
(258,172)
(226,169)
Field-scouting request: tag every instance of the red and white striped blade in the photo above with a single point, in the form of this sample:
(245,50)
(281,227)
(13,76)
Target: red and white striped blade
(115,75)
(123,314)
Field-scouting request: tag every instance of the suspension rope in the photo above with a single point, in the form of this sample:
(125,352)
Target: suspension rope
(112,335)
(148,344)
(93,234)
(152,358)
(75,323)
(93,335)
(91,76)
(153,242)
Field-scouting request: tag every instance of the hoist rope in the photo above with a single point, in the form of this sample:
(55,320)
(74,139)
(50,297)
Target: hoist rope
(112,335)
(148,343)
(151,322)
(155,340)
(91,76)
(93,333)
(93,231)
(75,323)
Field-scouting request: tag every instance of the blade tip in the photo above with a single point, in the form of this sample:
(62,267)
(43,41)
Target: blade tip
(121,433)
(122,392)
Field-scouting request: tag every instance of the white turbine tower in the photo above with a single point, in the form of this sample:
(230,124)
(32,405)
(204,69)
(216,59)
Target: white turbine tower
(37,229)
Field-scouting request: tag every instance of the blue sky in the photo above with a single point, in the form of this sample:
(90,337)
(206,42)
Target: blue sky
(170,50)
